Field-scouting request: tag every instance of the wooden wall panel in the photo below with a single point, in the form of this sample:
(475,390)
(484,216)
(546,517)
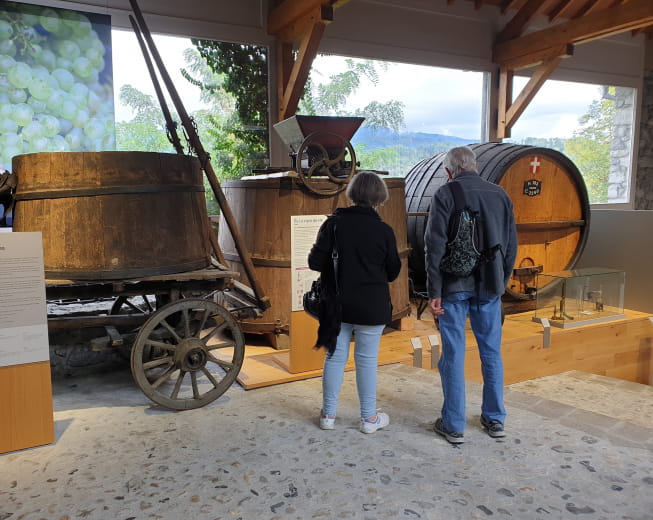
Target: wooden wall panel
(26,414)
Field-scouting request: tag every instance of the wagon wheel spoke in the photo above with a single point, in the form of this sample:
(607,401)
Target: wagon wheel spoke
(210,377)
(159,344)
(166,375)
(202,324)
(217,330)
(197,322)
(175,390)
(168,360)
(225,365)
(193,378)
(171,330)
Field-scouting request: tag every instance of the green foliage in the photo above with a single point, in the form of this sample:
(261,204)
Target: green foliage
(589,148)
(146,131)
(240,138)
(329,98)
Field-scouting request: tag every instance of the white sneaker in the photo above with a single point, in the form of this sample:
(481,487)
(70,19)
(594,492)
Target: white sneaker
(382,420)
(327,423)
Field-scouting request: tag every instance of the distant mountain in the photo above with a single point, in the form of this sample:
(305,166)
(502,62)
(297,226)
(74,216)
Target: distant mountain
(382,138)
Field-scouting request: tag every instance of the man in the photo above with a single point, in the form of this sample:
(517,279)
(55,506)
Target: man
(479,294)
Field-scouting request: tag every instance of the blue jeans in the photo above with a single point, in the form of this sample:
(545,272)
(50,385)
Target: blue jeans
(366,355)
(485,318)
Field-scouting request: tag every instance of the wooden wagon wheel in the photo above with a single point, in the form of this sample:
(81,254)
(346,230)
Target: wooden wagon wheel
(320,164)
(200,351)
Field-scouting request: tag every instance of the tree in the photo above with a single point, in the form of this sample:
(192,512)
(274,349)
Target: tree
(146,131)
(329,98)
(589,148)
(240,138)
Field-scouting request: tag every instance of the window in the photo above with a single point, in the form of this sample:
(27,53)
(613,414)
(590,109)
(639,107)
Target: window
(592,124)
(412,111)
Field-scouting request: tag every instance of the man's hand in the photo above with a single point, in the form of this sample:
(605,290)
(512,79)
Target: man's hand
(435,306)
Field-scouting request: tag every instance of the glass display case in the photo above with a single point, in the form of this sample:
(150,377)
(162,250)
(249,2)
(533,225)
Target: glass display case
(580,296)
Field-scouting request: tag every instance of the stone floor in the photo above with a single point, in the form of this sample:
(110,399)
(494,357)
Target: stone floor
(259,454)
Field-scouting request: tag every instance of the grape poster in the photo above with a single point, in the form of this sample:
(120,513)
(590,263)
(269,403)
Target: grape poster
(56,91)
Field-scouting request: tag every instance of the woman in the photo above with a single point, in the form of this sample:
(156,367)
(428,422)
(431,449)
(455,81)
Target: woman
(367,261)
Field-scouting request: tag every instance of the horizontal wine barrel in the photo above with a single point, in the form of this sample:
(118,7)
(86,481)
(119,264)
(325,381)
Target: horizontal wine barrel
(113,215)
(550,201)
(263,207)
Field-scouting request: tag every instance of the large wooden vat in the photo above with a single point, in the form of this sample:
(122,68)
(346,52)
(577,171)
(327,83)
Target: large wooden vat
(113,215)
(263,208)
(549,197)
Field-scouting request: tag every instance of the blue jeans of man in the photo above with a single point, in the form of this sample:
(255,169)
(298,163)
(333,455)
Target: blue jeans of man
(366,355)
(485,319)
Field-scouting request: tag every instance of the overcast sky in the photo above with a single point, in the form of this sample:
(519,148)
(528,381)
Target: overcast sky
(436,100)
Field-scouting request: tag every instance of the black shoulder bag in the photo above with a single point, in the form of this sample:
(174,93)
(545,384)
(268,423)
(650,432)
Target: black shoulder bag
(315,299)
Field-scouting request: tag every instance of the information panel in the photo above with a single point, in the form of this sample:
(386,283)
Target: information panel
(303,231)
(23,315)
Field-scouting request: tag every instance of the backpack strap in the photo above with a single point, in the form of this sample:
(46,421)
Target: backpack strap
(459,206)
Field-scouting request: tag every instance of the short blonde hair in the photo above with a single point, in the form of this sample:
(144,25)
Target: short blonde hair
(367,189)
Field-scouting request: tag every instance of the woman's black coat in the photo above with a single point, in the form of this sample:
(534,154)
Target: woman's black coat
(368,260)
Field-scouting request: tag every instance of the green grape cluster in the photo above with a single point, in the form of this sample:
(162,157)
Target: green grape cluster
(52,95)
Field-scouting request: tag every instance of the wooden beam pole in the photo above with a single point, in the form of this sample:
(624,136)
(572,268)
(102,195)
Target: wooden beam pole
(506,77)
(516,26)
(528,93)
(299,74)
(614,20)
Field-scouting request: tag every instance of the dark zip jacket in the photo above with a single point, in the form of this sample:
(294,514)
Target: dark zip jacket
(495,214)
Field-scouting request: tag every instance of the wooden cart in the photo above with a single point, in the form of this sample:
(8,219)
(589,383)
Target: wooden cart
(186,345)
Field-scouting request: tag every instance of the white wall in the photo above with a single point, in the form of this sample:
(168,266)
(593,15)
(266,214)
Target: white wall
(622,239)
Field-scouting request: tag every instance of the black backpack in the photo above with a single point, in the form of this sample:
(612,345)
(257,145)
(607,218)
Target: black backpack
(466,247)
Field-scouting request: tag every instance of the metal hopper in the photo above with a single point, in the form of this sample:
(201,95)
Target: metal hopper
(320,147)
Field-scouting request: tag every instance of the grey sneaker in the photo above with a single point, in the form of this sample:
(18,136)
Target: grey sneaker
(451,436)
(382,420)
(494,428)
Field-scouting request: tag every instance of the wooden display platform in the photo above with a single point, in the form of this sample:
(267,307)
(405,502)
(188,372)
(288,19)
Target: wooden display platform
(26,408)
(622,349)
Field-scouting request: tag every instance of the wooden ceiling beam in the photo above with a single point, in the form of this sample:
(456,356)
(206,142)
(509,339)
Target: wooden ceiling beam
(289,11)
(537,58)
(558,9)
(516,26)
(589,6)
(507,4)
(298,26)
(614,20)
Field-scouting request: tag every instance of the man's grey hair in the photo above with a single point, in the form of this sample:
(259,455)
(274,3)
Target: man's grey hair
(460,159)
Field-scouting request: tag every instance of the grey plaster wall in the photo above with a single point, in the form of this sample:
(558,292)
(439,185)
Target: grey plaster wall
(621,239)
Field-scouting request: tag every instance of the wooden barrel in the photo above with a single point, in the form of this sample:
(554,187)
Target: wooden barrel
(263,208)
(550,200)
(113,215)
